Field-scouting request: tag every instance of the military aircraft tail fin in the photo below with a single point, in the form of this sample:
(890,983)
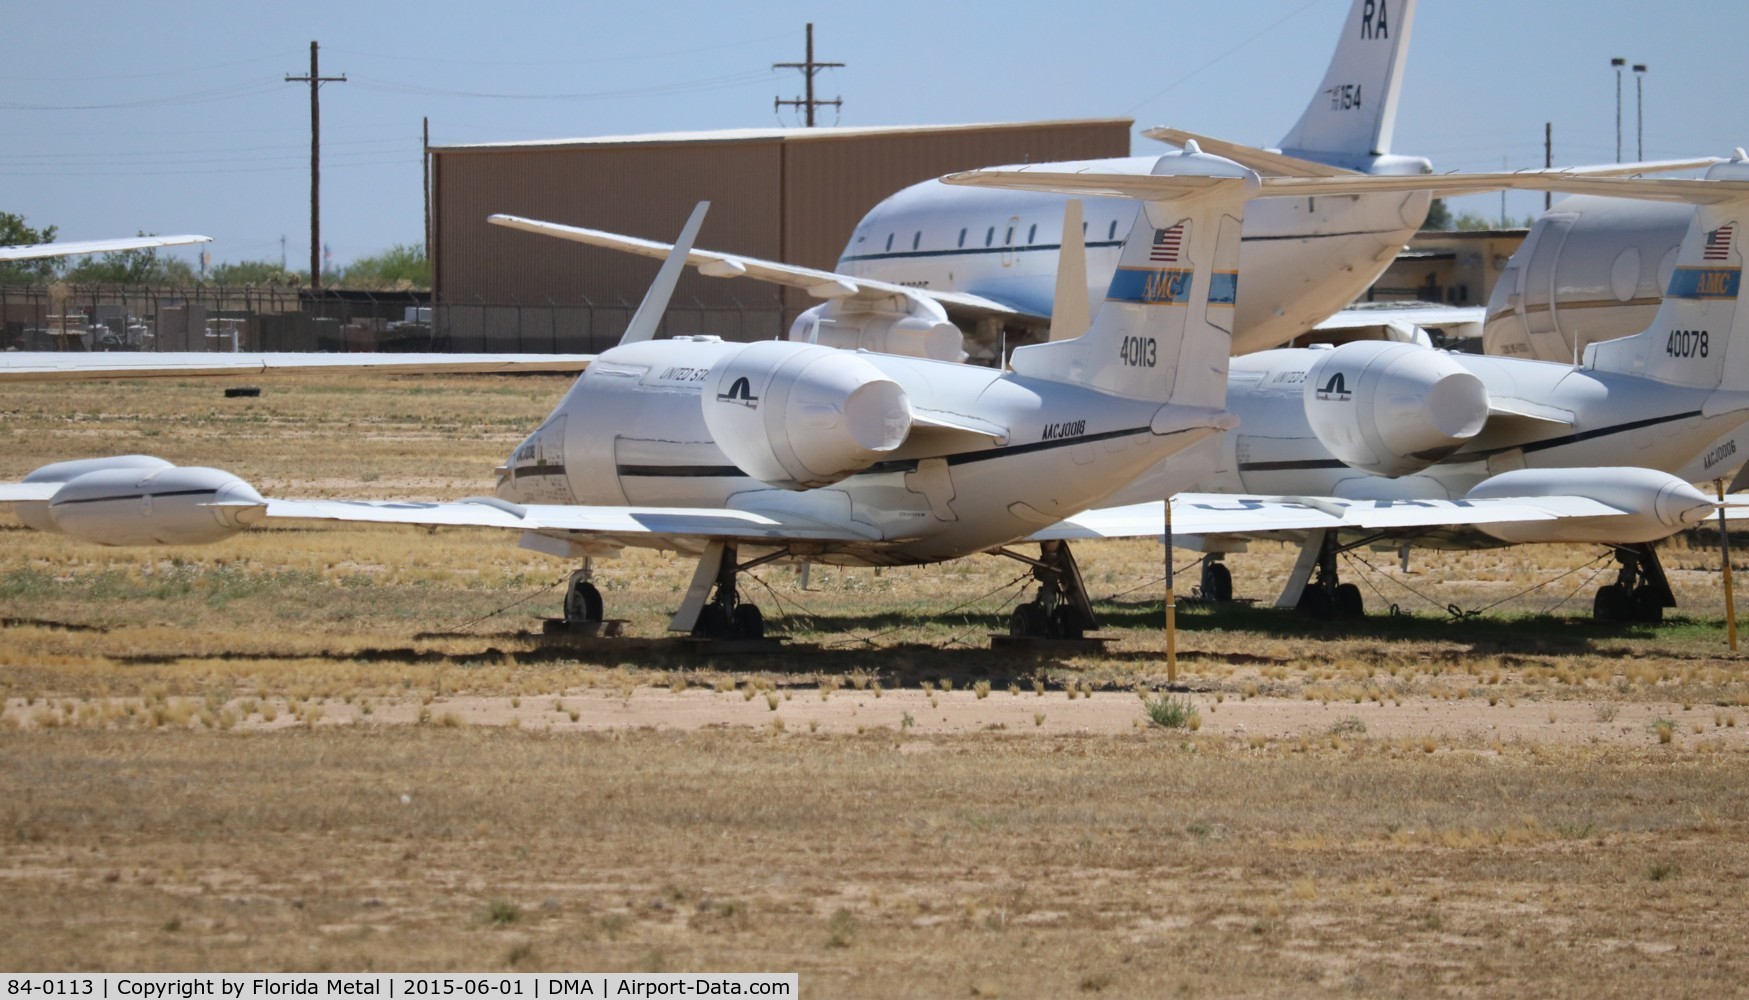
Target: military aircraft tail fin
(1164,329)
(1700,336)
(1351,117)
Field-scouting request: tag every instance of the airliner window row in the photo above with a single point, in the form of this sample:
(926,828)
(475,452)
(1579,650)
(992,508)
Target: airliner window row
(990,236)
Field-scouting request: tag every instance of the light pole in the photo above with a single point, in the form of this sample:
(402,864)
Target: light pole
(1618,64)
(1640,109)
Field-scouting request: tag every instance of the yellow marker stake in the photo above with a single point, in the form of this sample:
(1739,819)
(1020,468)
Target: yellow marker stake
(1725,555)
(1172,606)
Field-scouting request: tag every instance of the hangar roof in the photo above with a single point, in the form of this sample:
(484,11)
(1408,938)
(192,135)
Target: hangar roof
(815,134)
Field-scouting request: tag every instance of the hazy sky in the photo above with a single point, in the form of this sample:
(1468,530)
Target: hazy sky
(120,117)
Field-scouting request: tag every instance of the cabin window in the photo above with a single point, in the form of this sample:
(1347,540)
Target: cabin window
(1083,230)
(1111,234)
(1031,233)
(990,236)
(889,242)
(916,239)
(1008,240)
(962,237)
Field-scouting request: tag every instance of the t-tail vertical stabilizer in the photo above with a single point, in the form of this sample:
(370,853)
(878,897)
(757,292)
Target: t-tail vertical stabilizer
(1354,111)
(1700,336)
(1164,330)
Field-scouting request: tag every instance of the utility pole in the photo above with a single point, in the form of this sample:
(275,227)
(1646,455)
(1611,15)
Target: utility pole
(1618,64)
(1548,156)
(315,80)
(425,163)
(1640,108)
(809,68)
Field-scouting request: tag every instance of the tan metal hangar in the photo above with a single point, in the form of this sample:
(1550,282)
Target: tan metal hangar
(789,194)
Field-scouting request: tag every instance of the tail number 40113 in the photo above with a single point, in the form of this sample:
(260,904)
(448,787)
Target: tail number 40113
(1138,352)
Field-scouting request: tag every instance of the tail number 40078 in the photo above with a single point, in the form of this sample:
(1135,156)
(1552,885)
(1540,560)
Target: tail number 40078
(1138,352)
(1686,344)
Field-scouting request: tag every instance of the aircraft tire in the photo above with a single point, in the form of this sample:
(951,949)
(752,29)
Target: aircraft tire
(1349,603)
(1647,607)
(1217,582)
(749,622)
(583,603)
(1066,623)
(1613,603)
(1315,603)
(1027,622)
(713,623)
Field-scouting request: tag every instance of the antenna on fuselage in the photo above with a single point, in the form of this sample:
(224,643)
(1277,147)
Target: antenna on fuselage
(649,315)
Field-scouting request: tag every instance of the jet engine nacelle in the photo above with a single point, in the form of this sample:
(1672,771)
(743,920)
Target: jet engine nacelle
(1392,409)
(140,500)
(923,332)
(801,416)
(1654,504)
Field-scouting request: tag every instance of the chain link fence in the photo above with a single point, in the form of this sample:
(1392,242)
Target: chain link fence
(206,318)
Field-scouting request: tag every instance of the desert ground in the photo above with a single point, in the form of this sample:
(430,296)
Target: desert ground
(342,747)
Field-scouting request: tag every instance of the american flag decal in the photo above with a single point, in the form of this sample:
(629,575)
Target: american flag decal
(1718,244)
(1167,243)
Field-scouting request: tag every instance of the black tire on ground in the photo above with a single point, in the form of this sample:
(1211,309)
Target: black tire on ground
(749,622)
(713,622)
(1217,582)
(1066,623)
(1315,603)
(1613,603)
(583,603)
(1027,622)
(1647,606)
(1349,603)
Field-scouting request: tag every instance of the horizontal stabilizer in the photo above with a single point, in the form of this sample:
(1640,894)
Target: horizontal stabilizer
(1264,161)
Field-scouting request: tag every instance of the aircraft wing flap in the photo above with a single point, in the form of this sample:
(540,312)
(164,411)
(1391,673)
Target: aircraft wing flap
(73,366)
(817,283)
(609,521)
(1222,514)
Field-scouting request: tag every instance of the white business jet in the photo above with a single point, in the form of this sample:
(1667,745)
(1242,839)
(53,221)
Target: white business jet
(750,453)
(1374,421)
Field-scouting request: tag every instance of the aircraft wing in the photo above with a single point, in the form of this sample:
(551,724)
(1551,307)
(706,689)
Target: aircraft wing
(34,251)
(1233,514)
(1152,187)
(819,284)
(74,366)
(613,522)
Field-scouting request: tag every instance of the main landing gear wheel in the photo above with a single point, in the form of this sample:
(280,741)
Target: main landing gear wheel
(1217,582)
(1325,596)
(1028,621)
(1061,610)
(723,615)
(1640,592)
(582,598)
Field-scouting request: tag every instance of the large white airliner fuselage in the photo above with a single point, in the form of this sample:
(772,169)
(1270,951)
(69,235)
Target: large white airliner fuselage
(1303,258)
